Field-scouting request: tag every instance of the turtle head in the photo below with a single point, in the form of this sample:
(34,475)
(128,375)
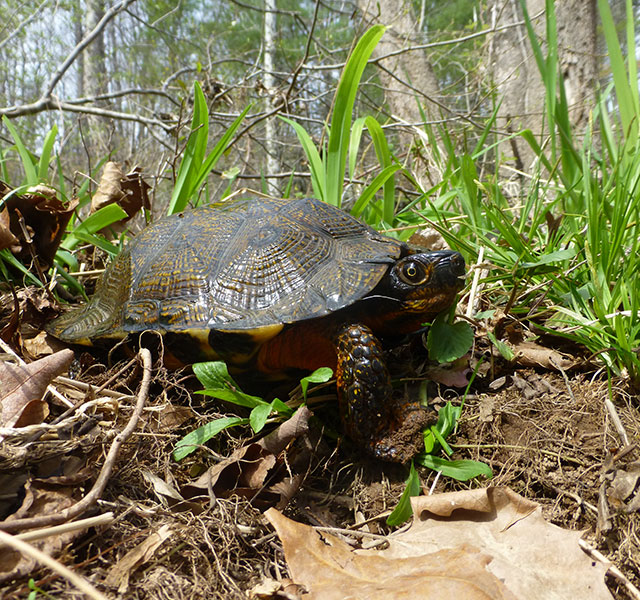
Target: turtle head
(416,288)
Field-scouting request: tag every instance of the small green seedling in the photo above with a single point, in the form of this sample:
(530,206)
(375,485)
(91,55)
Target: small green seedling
(214,376)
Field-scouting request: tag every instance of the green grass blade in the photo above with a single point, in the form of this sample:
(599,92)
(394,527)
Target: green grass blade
(104,217)
(316,167)
(354,144)
(28,163)
(626,104)
(341,118)
(370,191)
(384,158)
(218,150)
(193,152)
(45,156)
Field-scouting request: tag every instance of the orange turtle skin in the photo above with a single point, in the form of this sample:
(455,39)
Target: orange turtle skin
(273,286)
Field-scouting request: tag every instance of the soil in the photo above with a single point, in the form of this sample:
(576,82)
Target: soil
(546,434)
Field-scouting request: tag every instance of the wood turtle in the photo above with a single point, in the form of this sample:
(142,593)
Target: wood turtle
(271,286)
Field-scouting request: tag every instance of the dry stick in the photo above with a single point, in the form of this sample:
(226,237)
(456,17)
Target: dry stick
(100,483)
(39,556)
(617,422)
(632,590)
(38,534)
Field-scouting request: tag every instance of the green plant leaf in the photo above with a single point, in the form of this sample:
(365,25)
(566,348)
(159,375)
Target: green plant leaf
(461,470)
(448,342)
(45,156)
(214,375)
(448,417)
(101,219)
(190,442)
(379,180)
(403,512)
(503,348)
(316,168)
(259,415)
(321,375)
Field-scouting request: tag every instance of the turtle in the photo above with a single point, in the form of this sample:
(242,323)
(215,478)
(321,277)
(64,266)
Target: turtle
(272,287)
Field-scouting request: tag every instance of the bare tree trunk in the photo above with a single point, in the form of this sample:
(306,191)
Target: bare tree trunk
(95,78)
(519,86)
(407,77)
(273,162)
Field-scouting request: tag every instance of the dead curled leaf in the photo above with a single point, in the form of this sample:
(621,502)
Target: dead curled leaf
(128,190)
(37,220)
(40,499)
(118,575)
(476,544)
(23,386)
(530,354)
(250,467)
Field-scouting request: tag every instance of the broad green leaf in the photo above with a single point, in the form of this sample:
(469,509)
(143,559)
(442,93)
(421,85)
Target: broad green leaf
(259,416)
(448,342)
(214,375)
(403,512)
(190,442)
(234,396)
(448,417)
(552,257)
(462,470)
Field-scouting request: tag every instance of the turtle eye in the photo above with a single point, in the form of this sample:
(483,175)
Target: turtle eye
(413,273)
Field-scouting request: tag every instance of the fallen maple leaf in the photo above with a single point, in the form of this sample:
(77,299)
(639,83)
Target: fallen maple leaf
(489,543)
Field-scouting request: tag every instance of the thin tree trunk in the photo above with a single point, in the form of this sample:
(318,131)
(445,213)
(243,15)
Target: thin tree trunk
(273,162)
(407,77)
(516,77)
(95,78)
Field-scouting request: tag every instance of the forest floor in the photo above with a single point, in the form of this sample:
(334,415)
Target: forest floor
(546,435)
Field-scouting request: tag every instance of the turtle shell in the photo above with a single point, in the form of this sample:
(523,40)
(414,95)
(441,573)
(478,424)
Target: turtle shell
(243,265)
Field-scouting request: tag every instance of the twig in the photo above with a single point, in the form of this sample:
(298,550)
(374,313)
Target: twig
(82,584)
(92,35)
(617,423)
(38,534)
(613,570)
(107,468)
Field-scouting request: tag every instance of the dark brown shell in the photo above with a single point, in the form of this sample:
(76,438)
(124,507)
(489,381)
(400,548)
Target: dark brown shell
(244,264)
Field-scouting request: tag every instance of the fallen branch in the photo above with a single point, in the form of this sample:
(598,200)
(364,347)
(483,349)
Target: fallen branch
(21,546)
(107,468)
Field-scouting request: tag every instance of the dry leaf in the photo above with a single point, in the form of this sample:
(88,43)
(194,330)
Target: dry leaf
(119,573)
(128,191)
(40,499)
(327,567)
(23,386)
(38,220)
(245,472)
(7,239)
(489,544)
(530,354)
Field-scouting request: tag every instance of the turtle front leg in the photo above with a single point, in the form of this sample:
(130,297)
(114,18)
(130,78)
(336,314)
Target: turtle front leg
(389,429)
